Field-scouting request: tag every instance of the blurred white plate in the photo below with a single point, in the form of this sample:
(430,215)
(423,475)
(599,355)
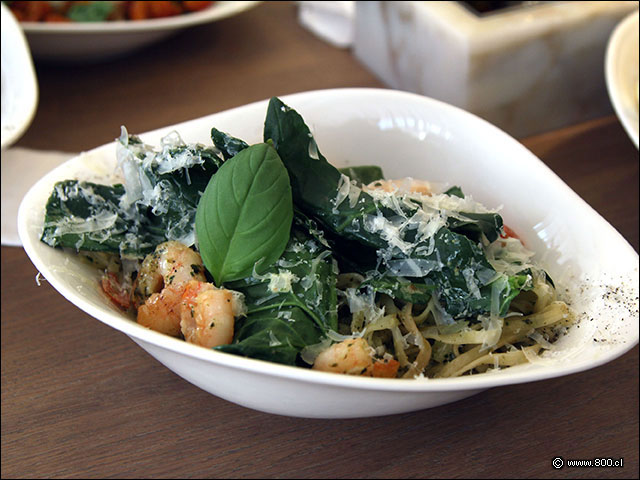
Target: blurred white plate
(94,41)
(19,85)
(407,135)
(621,71)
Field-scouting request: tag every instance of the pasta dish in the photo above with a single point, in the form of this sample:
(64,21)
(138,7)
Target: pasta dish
(269,251)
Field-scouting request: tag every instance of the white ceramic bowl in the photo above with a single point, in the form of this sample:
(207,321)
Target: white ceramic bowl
(408,135)
(97,41)
(19,84)
(621,73)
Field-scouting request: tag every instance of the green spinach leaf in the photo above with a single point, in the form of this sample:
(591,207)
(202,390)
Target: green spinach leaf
(400,288)
(455,191)
(477,224)
(157,203)
(304,277)
(363,174)
(276,335)
(87,216)
(293,304)
(449,261)
(229,146)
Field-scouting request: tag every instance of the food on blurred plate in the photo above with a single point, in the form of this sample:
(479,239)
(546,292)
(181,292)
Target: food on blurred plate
(26,11)
(270,252)
(483,7)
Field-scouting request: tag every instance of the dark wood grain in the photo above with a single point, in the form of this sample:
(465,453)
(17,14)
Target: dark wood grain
(80,400)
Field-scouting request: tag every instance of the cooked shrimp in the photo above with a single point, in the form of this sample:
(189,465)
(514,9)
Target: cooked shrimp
(172,263)
(115,290)
(355,357)
(161,311)
(385,368)
(207,315)
(404,185)
(174,298)
(192,289)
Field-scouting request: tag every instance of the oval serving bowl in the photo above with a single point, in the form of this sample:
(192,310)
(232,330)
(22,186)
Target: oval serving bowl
(407,135)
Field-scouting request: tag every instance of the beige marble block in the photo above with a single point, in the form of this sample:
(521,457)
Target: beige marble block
(527,69)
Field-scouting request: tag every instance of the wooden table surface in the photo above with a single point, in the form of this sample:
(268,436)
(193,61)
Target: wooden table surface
(80,400)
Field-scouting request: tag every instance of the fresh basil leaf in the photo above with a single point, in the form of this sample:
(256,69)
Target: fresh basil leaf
(244,217)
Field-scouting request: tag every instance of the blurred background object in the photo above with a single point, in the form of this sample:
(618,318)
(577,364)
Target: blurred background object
(58,12)
(527,67)
(331,21)
(98,31)
(622,74)
(19,84)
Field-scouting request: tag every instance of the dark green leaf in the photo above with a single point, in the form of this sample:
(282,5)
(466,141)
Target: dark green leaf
(312,177)
(283,317)
(303,277)
(455,192)
(87,216)
(315,186)
(276,335)
(400,288)
(478,224)
(515,284)
(364,174)
(351,256)
(163,210)
(228,145)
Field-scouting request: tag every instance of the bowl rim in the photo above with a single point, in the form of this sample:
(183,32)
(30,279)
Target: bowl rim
(138,333)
